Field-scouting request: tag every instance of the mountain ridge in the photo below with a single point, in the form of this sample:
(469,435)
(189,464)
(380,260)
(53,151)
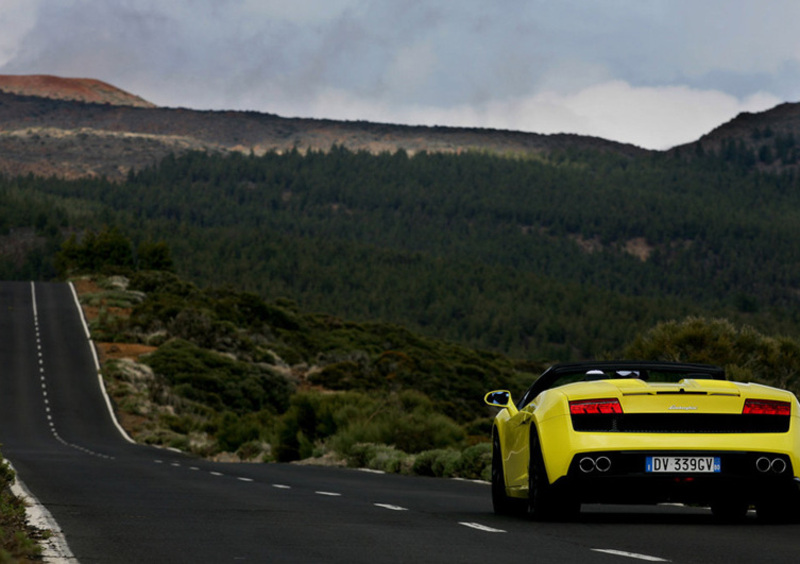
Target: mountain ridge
(75,128)
(51,132)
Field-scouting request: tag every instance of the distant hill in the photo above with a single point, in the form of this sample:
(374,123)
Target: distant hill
(77,89)
(769,140)
(80,127)
(781,118)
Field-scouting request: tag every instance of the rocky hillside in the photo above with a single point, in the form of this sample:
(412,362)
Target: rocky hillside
(52,126)
(78,89)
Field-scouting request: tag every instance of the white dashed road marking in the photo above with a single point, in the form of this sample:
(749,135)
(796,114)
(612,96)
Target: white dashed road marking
(625,554)
(480,527)
(43,378)
(391,507)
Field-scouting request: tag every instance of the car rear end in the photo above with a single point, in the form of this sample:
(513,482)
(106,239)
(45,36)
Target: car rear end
(702,441)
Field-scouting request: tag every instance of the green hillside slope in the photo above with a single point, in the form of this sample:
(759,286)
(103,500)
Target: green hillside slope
(544,259)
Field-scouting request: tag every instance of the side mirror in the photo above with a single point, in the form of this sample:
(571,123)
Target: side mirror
(498,398)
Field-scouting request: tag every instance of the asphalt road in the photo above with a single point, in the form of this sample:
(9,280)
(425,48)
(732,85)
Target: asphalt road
(119,502)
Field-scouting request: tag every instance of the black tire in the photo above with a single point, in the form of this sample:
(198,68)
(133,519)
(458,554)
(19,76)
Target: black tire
(780,505)
(502,503)
(780,508)
(729,510)
(772,512)
(546,503)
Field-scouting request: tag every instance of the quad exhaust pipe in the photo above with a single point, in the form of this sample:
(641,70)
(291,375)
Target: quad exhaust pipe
(774,465)
(589,464)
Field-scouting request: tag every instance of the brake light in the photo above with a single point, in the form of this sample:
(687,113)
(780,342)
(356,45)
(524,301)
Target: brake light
(595,406)
(766,407)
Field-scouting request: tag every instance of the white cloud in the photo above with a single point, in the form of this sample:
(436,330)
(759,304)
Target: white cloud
(17,19)
(300,11)
(733,35)
(653,118)
(411,69)
(655,73)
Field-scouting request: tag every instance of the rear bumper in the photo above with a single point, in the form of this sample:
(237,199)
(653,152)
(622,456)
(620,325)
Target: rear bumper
(560,443)
(621,477)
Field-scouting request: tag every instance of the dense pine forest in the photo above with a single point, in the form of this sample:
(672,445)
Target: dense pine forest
(565,257)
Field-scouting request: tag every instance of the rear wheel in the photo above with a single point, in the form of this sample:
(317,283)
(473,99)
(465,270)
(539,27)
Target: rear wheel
(502,503)
(781,507)
(545,502)
(773,512)
(729,510)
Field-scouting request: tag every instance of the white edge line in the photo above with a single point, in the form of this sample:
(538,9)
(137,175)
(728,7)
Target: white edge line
(55,549)
(645,557)
(97,366)
(483,482)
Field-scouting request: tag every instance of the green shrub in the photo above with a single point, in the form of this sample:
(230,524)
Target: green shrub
(746,354)
(233,430)
(253,450)
(439,463)
(15,542)
(219,381)
(416,432)
(160,282)
(379,457)
(474,462)
(407,421)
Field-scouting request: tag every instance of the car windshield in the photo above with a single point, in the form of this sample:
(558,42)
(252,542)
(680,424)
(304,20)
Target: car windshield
(561,375)
(648,375)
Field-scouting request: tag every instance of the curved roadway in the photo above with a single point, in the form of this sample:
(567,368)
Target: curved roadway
(119,502)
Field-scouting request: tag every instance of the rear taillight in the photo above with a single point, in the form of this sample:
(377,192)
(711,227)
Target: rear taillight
(766,407)
(595,406)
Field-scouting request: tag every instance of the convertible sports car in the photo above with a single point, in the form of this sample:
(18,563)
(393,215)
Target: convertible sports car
(645,433)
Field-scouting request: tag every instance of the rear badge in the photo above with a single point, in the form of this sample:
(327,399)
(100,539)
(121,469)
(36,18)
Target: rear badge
(683,407)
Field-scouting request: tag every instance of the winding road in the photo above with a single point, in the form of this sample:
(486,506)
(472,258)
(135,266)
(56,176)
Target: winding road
(120,502)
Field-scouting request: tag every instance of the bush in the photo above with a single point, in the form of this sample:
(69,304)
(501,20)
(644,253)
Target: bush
(379,457)
(746,354)
(15,542)
(475,462)
(234,431)
(407,421)
(439,463)
(417,432)
(219,381)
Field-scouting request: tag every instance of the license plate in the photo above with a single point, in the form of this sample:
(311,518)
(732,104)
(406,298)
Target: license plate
(683,464)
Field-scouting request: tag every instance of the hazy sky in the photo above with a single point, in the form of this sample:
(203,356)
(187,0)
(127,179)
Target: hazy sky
(655,73)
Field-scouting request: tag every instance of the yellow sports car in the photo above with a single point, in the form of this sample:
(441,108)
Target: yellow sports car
(645,432)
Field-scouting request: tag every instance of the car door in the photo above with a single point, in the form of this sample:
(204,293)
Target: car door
(518,446)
